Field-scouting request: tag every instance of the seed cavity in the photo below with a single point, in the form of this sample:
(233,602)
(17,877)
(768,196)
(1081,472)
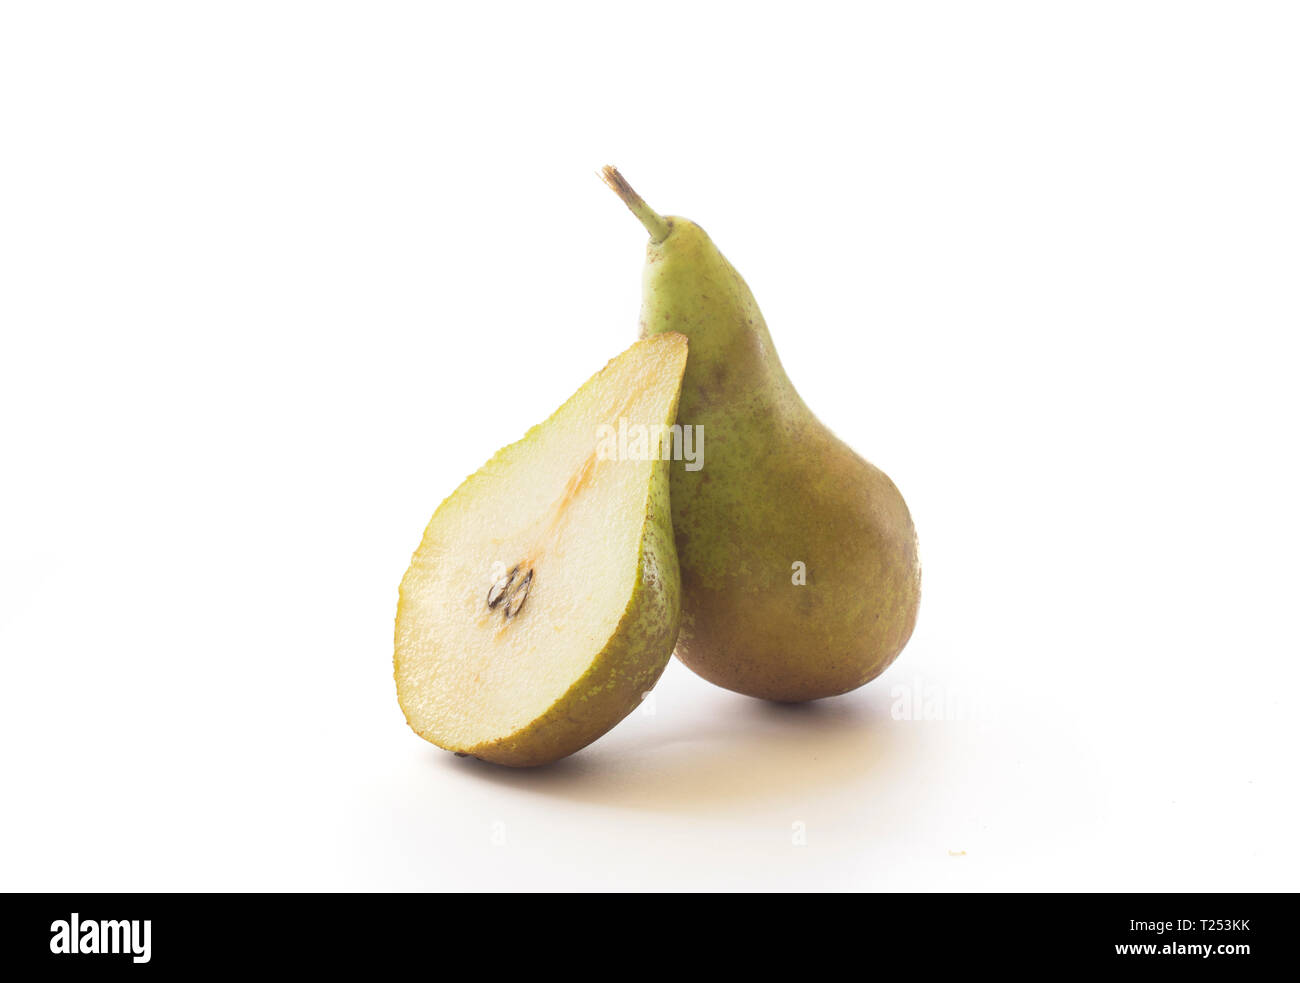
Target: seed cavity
(510,592)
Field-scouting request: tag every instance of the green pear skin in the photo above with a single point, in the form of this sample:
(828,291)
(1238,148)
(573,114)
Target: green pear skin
(776,489)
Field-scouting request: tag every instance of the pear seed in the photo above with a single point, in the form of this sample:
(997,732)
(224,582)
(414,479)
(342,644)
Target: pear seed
(518,596)
(497,592)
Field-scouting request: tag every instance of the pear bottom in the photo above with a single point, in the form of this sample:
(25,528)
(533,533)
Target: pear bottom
(766,630)
(788,658)
(788,662)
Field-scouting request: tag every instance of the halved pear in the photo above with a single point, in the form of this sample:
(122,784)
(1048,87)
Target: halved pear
(544,600)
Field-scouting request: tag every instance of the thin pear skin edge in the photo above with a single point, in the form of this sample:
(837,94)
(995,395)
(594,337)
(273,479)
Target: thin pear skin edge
(629,664)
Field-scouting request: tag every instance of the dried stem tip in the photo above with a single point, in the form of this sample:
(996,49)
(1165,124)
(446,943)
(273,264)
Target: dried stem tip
(655,224)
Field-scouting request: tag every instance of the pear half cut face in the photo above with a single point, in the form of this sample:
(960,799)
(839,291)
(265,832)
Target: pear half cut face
(544,600)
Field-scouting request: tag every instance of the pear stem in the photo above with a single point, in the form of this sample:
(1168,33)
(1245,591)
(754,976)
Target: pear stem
(654,223)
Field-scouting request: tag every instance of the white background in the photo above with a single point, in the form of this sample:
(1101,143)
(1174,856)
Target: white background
(275,277)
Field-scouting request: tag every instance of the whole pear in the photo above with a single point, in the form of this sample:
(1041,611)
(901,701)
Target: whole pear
(800,574)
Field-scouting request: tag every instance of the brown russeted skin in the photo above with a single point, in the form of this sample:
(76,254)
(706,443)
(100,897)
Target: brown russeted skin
(776,488)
